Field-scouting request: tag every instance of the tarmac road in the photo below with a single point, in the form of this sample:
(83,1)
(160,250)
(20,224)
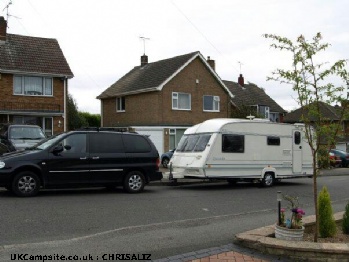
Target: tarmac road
(163,221)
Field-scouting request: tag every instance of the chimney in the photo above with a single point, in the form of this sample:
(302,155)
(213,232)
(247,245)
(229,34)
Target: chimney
(3,28)
(211,63)
(144,60)
(241,80)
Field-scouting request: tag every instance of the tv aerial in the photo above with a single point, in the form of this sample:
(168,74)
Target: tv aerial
(144,39)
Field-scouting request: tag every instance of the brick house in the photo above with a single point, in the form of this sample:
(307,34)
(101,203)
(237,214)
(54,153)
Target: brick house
(33,81)
(330,114)
(162,99)
(251,99)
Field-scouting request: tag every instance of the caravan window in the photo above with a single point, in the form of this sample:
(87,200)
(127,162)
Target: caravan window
(273,141)
(190,143)
(233,143)
(201,144)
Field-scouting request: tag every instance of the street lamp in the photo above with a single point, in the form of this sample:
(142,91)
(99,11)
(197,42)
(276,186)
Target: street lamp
(279,198)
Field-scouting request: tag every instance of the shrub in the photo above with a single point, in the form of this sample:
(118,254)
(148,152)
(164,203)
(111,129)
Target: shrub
(345,223)
(327,224)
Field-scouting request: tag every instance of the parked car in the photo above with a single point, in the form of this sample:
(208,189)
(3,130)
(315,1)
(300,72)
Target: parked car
(343,155)
(17,137)
(335,161)
(165,157)
(89,158)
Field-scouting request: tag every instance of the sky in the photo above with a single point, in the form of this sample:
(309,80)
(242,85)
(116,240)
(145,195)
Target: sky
(101,39)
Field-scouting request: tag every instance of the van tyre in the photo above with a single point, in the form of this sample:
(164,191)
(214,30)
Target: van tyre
(134,182)
(268,180)
(26,184)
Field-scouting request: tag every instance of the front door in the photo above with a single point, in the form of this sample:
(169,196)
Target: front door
(297,152)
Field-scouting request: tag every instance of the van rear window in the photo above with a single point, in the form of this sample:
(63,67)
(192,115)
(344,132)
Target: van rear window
(136,144)
(193,143)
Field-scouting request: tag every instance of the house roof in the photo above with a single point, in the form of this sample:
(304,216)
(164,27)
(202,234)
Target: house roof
(34,55)
(153,76)
(250,94)
(326,110)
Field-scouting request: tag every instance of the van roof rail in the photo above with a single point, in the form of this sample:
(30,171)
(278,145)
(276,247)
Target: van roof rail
(113,129)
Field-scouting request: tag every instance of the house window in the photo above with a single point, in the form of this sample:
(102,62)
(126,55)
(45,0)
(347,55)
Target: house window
(120,104)
(181,101)
(264,111)
(211,103)
(32,86)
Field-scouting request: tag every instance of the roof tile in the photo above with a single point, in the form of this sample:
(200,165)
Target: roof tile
(33,55)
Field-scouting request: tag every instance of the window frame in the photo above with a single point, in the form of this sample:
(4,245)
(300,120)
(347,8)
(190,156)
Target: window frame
(175,100)
(22,83)
(121,101)
(214,99)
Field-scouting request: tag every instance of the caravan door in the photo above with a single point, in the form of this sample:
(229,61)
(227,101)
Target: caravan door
(297,152)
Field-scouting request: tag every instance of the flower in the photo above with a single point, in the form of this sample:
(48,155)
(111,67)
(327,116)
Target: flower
(297,214)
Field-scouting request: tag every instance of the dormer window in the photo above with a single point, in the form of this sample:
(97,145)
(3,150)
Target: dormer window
(32,86)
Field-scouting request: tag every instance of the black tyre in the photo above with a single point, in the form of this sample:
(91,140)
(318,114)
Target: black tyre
(26,184)
(268,180)
(134,182)
(165,162)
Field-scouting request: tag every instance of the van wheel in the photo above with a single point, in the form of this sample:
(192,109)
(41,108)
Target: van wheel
(134,182)
(26,184)
(268,180)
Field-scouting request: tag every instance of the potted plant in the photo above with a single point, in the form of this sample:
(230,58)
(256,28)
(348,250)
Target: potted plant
(290,228)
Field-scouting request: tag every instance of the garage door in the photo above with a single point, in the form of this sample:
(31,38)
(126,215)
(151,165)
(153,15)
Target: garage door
(156,136)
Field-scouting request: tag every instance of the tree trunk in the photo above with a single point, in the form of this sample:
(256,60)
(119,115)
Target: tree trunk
(316,170)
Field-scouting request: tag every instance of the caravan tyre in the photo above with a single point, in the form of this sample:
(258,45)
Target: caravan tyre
(268,180)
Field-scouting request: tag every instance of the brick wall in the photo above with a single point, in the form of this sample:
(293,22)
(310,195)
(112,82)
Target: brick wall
(36,102)
(155,108)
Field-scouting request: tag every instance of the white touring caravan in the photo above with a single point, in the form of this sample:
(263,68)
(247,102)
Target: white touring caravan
(242,150)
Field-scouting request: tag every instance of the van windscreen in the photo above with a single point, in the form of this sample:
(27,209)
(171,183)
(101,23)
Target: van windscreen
(193,143)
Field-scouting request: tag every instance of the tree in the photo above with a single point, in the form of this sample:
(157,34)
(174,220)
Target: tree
(75,120)
(91,119)
(313,84)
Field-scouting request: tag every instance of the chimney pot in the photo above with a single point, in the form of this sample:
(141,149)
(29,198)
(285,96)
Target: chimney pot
(3,28)
(144,60)
(212,63)
(241,80)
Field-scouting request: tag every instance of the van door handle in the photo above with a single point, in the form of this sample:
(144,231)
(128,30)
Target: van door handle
(83,158)
(95,157)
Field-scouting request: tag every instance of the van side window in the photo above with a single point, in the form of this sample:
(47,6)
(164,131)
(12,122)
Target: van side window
(136,144)
(233,143)
(74,144)
(297,137)
(273,141)
(106,143)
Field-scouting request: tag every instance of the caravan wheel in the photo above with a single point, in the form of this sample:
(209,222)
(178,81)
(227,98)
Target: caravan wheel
(268,180)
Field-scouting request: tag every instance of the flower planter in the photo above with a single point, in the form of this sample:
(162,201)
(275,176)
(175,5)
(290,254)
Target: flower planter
(289,233)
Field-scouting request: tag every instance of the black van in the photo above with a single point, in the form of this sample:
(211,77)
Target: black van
(85,158)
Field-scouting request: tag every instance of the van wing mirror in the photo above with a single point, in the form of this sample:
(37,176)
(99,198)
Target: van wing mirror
(57,149)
